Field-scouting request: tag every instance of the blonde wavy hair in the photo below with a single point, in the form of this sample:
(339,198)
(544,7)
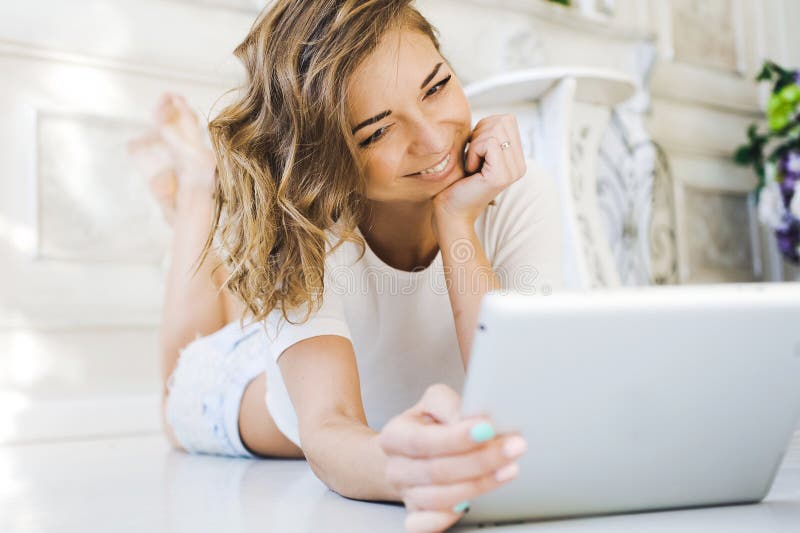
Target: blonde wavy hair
(287,167)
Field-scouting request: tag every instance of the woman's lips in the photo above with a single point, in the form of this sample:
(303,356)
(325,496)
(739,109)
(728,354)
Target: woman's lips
(449,163)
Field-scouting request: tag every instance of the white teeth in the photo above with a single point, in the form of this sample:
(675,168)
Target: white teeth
(438,168)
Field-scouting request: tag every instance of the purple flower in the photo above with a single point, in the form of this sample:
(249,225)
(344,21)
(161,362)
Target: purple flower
(794,207)
(788,241)
(787,189)
(790,164)
(790,169)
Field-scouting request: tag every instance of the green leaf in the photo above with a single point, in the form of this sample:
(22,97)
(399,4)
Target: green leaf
(782,120)
(778,121)
(744,155)
(790,94)
(765,74)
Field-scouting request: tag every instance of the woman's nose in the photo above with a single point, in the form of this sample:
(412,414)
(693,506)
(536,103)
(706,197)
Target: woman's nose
(429,138)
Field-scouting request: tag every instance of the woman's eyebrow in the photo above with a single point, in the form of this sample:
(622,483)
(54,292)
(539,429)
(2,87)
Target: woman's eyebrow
(382,115)
(431,75)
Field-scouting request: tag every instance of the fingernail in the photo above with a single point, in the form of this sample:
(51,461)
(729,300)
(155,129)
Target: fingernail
(514,447)
(482,432)
(462,507)
(507,472)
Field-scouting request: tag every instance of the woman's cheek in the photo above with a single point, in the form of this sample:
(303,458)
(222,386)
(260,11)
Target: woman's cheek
(380,170)
(460,104)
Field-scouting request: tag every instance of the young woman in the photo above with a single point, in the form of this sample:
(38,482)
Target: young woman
(357,239)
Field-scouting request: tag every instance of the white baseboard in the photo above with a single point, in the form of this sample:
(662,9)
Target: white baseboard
(91,417)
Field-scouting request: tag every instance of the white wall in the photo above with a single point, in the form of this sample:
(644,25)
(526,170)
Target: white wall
(81,241)
(82,245)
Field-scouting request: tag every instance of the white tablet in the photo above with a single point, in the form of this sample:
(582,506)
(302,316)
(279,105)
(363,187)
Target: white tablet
(637,399)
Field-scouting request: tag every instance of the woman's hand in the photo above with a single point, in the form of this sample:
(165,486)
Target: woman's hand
(466,198)
(438,461)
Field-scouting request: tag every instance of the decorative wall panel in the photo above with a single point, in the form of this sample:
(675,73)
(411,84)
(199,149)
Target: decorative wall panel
(706,33)
(719,226)
(92,205)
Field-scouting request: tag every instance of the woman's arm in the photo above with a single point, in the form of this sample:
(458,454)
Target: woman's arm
(427,457)
(321,377)
(495,160)
(468,276)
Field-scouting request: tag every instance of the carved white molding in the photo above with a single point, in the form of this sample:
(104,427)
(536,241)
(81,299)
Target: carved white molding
(484,38)
(182,74)
(595,20)
(685,128)
(139,36)
(636,204)
(247,6)
(593,85)
(523,49)
(588,124)
(594,8)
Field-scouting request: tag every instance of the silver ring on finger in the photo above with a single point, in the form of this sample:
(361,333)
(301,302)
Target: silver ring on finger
(505,146)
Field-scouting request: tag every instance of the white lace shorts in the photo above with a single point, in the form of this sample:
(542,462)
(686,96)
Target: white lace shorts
(206,389)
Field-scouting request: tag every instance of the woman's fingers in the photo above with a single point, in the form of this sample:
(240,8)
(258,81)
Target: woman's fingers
(440,402)
(487,460)
(496,162)
(437,460)
(434,427)
(516,140)
(430,521)
(439,497)
(409,436)
(495,169)
(503,128)
(473,158)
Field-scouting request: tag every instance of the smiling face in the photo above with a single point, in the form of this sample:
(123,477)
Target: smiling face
(411,119)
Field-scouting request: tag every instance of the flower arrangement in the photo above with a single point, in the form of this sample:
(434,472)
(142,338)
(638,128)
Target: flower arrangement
(775,156)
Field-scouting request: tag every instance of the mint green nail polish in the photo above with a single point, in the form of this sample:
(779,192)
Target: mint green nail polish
(482,432)
(461,507)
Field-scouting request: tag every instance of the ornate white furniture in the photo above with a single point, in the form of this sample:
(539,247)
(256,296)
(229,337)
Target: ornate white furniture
(564,114)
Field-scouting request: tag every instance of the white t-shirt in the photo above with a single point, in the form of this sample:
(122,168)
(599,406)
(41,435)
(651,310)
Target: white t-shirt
(400,323)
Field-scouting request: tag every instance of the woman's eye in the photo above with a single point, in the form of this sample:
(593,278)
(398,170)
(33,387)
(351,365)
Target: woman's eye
(436,88)
(379,133)
(374,137)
